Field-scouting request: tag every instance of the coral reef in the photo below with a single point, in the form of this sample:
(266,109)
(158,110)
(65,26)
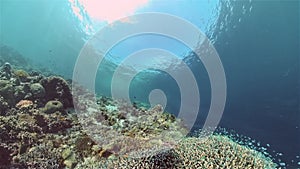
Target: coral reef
(123,129)
(30,138)
(18,85)
(39,129)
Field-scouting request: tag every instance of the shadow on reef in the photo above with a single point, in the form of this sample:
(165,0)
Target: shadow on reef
(39,129)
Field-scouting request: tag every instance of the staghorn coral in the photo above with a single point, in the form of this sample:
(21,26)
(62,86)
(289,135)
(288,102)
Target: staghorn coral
(218,151)
(215,152)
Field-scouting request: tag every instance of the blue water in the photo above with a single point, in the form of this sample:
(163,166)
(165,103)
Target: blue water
(257,41)
(261,60)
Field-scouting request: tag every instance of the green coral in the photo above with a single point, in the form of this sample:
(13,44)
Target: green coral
(69,158)
(21,74)
(53,106)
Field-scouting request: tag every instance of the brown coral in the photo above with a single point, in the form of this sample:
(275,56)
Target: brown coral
(57,88)
(24,104)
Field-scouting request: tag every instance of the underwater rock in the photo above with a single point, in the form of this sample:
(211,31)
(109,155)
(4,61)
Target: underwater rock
(57,88)
(6,67)
(53,106)
(5,72)
(37,90)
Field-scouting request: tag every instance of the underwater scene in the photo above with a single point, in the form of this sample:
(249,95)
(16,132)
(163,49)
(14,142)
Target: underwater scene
(149,84)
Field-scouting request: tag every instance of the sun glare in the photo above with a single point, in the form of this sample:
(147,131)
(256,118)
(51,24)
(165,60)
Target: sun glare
(106,11)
